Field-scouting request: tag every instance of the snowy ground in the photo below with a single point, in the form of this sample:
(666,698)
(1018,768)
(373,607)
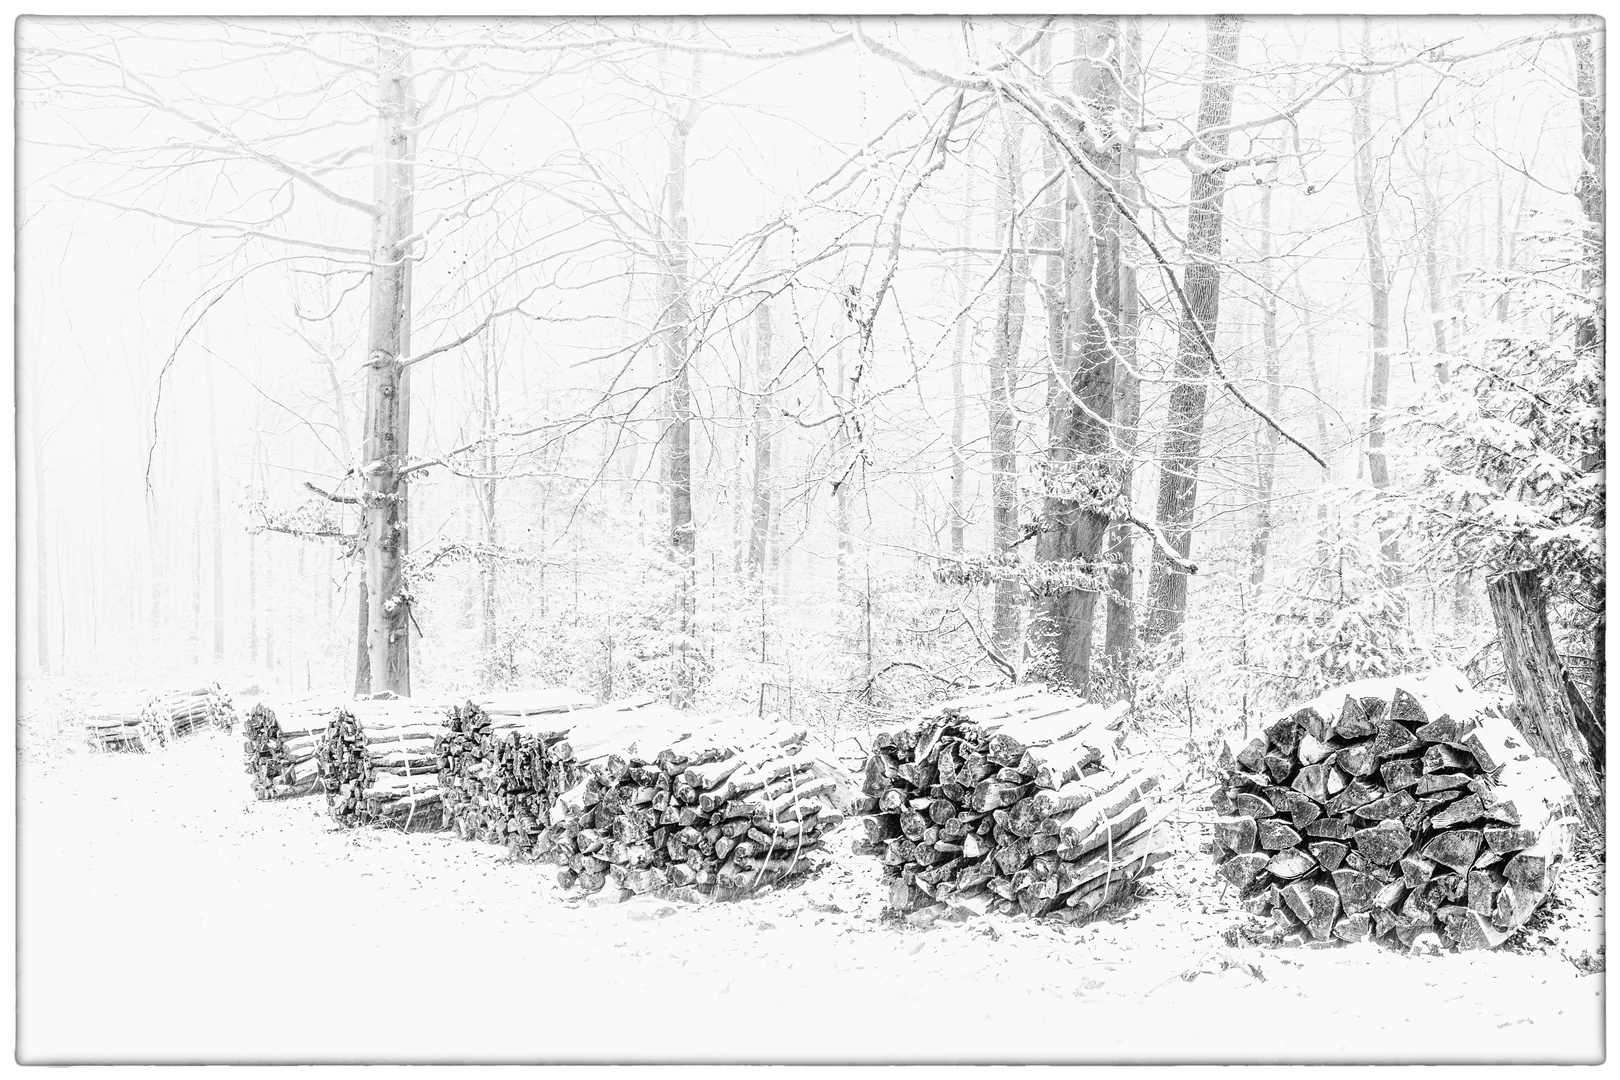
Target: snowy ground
(167,916)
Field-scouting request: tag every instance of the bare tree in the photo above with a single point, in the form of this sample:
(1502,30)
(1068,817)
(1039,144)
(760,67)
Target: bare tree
(1378,282)
(1179,465)
(1009,338)
(1083,473)
(675,258)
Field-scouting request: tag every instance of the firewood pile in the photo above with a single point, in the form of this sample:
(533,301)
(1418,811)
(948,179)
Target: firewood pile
(1010,802)
(377,764)
(497,781)
(182,712)
(278,749)
(718,812)
(1408,811)
(120,723)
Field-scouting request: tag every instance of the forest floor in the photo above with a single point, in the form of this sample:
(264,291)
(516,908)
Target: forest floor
(167,916)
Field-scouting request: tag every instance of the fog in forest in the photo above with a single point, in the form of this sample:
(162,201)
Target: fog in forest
(807,365)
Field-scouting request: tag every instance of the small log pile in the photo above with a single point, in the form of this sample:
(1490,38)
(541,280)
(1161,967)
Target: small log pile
(183,712)
(1408,811)
(497,781)
(279,746)
(377,763)
(1009,802)
(715,813)
(119,723)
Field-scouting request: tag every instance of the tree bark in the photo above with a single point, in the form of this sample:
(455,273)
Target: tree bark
(1082,472)
(1554,717)
(1589,332)
(1378,283)
(1265,482)
(1178,469)
(487,489)
(676,258)
(759,530)
(959,358)
(42,614)
(386,442)
(218,512)
(197,579)
(1003,377)
(1119,635)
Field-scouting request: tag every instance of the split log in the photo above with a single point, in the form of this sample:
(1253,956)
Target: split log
(1032,816)
(1392,810)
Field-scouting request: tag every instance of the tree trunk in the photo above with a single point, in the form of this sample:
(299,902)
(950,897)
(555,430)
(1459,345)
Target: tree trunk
(1082,470)
(1378,282)
(759,530)
(218,512)
(1553,715)
(959,359)
(1003,378)
(488,487)
(1266,481)
(677,371)
(42,615)
(387,431)
(270,610)
(362,661)
(845,473)
(1589,330)
(197,579)
(1178,469)
(1119,637)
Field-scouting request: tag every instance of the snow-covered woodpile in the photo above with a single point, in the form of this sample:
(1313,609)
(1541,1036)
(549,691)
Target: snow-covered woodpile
(278,748)
(1013,802)
(717,812)
(120,722)
(182,712)
(377,763)
(498,783)
(1408,810)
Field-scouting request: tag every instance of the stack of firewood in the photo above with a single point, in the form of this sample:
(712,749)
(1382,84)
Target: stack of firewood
(717,812)
(182,712)
(120,722)
(1406,810)
(1010,802)
(498,783)
(279,748)
(377,764)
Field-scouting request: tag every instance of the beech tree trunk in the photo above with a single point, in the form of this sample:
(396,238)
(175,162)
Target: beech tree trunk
(1178,468)
(1266,480)
(1119,635)
(42,615)
(486,488)
(845,469)
(759,530)
(386,441)
(1553,714)
(1083,472)
(959,359)
(1378,283)
(677,371)
(1003,377)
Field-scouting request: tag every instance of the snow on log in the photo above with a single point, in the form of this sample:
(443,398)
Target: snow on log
(120,723)
(1392,810)
(279,740)
(1010,802)
(181,712)
(378,766)
(497,782)
(654,802)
